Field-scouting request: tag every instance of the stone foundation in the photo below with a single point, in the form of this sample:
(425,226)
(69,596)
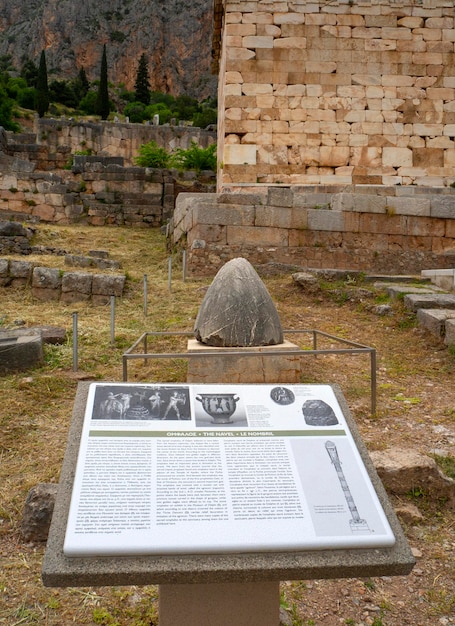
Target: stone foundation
(381,229)
(224,368)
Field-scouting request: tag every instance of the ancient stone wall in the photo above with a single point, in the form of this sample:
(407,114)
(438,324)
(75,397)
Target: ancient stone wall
(339,92)
(96,192)
(384,229)
(54,141)
(51,284)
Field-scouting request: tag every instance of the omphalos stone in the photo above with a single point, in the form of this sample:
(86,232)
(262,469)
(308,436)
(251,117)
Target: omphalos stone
(237,310)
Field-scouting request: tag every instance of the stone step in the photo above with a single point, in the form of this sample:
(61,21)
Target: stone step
(399,290)
(449,338)
(444,278)
(435,320)
(416,301)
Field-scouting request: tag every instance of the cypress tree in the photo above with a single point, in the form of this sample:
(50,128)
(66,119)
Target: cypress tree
(42,89)
(142,86)
(102,99)
(83,81)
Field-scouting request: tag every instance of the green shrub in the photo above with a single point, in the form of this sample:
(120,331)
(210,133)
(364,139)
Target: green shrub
(195,158)
(152,155)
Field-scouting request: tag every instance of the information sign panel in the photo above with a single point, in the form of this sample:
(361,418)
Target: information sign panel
(194,469)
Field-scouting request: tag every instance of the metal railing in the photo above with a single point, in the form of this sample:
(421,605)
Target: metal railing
(355,348)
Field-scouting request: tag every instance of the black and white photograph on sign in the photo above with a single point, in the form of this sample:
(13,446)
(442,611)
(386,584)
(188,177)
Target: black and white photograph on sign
(318,413)
(282,395)
(136,402)
(219,409)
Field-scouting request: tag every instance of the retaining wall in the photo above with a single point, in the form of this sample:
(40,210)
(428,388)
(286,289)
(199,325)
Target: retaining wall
(50,284)
(96,192)
(370,228)
(53,142)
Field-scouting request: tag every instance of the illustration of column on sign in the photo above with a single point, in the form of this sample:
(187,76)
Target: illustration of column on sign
(357,524)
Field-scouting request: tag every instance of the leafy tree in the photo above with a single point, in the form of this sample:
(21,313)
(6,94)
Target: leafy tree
(62,91)
(135,111)
(163,111)
(206,117)
(6,64)
(6,111)
(152,155)
(88,103)
(102,100)
(42,89)
(142,85)
(29,72)
(81,85)
(196,158)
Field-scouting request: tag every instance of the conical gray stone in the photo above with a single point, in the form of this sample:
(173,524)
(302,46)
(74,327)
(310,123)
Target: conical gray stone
(237,310)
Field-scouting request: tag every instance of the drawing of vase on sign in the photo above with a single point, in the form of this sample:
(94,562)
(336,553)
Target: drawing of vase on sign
(220,406)
(357,524)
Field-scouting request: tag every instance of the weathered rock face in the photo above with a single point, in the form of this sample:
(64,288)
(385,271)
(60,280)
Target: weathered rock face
(175,36)
(237,310)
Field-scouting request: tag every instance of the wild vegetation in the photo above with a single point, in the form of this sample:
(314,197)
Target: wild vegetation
(31,88)
(416,409)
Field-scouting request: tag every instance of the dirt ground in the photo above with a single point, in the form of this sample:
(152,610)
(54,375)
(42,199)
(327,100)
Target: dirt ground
(415,410)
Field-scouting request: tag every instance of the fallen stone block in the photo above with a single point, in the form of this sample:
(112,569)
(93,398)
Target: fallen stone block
(20,350)
(435,320)
(414,301)
(449,339)
(38,509)
(402,470)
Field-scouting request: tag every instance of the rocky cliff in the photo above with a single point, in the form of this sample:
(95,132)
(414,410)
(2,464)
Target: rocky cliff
(176,36)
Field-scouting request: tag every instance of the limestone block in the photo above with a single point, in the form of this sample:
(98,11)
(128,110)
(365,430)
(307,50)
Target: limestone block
(257,236)
(333,156)
(233,77)
(288,18)
(360,32)
(254,89)
(268,29)
(257,41)
(20,269)
(326,220)
(443,207)
(292,42)
(239,54)
(22,349)
(396,157)
(233,90)
(244,368)
(38,509)
(235,154)
(78,282)
(450,332)
(434,320)
(240,29)
(402,470)
(232,214)
(256,17)
(427,58)
(108,284)
(4,272)
(411,22)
